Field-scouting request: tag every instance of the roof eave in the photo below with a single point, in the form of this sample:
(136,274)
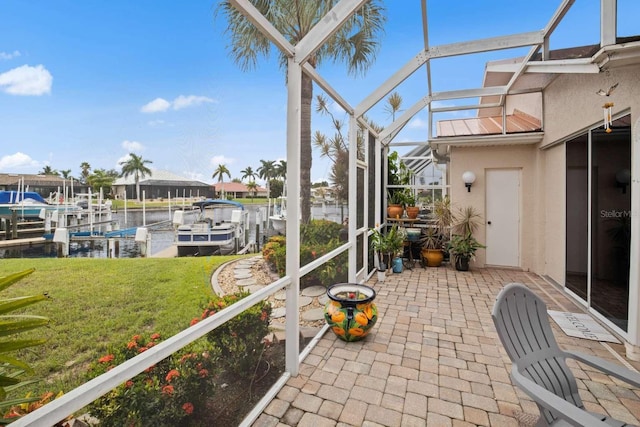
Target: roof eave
(527,138)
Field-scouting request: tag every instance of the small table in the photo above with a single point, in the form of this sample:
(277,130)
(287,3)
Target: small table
(408,222)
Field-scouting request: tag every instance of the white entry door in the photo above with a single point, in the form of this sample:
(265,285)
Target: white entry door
(503,217)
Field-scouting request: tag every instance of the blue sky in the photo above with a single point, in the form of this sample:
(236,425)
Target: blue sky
(92,81)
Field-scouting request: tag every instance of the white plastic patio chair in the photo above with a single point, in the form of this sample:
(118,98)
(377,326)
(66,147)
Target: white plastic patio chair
(539,367)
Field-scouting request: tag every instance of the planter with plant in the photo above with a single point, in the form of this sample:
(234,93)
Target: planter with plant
(434,239)
(410,204)
(395,204)
(462,249)
(431,241)
(463,246)
(387,245)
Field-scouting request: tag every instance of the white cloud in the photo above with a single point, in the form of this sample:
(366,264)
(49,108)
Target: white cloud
(16,161)
(122,159)
(182,101)
(26,80)
(221,160)
(132,146)
(155,122)
(155,106)
(417,123)
(10,55)
(189,101)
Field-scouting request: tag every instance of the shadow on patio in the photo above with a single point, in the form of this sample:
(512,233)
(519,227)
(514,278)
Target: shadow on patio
(434,359)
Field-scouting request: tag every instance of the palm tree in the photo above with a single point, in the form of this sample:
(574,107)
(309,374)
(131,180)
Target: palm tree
(66,173)
(101,178)
(280,170)
(48,170)
(85,171)
(266,171)
(394,102)
(135,166)
(248,173)
(253,188)
(220,172)
(355,43)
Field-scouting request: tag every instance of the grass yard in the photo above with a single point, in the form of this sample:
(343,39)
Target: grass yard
(96,303)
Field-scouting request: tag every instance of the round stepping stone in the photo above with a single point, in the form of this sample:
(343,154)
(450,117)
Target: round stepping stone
(304,301)
(241,270)
(278,312)
(240,276)
(323,299)
(314,291)
(280,295)
(246,282)
(313,314)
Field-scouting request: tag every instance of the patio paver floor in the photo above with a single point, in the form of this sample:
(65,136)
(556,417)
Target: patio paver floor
(434,359)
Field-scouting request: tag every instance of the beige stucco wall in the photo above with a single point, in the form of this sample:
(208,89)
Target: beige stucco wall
(554,194)
(571,103)
(479,160)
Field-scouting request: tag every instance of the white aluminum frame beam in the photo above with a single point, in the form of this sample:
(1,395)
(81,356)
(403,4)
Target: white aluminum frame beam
(390,131)
(608,22)
(465,107)
(325,86)
(327,27)
(486,45)
(263,25)
(560,66)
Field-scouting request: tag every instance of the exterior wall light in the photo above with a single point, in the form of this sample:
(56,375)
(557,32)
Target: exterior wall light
(468,178)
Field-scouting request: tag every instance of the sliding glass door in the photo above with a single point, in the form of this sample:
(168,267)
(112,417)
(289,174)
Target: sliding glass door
(598,219)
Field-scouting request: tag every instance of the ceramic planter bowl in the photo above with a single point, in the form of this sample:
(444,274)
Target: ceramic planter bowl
(350,310)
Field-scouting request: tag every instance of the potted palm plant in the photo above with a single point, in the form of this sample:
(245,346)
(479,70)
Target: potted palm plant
(463,246)
(431,241)
(435,238)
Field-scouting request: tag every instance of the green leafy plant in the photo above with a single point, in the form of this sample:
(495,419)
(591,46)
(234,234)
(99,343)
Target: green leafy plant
(317,238)
(12,370)
(464,246)
(387,244)
(241,338)
(431,238)
(172,392)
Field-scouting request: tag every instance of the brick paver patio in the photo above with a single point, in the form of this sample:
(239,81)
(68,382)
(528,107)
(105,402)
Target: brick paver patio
(434,359)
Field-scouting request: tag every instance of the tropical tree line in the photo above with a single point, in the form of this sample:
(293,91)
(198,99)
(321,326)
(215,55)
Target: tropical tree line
(103,179)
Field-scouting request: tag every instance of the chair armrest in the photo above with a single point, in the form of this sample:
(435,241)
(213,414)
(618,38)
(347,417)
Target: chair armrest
(624,374)
(560,407)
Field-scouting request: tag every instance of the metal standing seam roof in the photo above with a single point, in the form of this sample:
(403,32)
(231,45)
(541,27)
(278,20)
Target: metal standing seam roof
(518,122)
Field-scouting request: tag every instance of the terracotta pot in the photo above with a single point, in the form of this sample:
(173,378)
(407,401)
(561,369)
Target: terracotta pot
(412,212)
(433,257)
(395,211)
(350,310)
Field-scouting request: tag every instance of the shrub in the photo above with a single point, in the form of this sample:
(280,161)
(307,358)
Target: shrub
(172,392)
(317,238)
(241,338)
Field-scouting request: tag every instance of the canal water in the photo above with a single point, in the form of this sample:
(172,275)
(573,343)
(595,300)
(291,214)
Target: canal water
(161,235)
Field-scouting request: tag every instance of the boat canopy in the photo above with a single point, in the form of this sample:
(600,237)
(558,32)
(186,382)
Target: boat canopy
(11,197)
(218,202)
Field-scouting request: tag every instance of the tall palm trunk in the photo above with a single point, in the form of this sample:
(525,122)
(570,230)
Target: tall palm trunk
(305,148)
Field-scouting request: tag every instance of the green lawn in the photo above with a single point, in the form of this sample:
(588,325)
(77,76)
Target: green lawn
(100,302)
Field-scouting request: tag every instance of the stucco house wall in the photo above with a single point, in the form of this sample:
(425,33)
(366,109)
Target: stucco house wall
(479,160)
